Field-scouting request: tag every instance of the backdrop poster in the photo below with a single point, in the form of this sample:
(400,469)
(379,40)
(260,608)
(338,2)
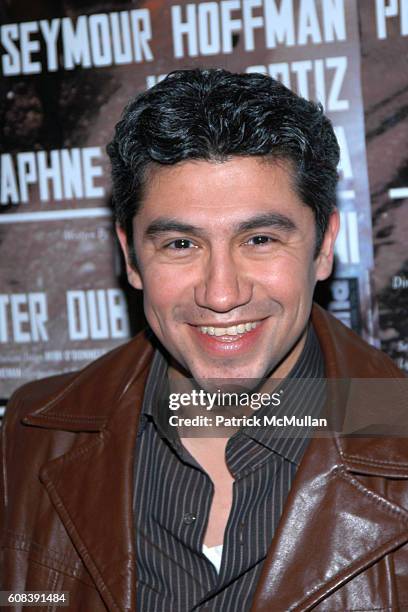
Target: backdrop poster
(65,80)
(384,31)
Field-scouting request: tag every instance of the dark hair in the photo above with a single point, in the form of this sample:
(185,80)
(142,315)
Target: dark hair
(213,114)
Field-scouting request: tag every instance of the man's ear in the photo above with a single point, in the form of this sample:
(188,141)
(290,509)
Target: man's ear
(324,260)
(133,275)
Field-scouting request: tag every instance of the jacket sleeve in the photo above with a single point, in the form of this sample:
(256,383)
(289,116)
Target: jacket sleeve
(5,427)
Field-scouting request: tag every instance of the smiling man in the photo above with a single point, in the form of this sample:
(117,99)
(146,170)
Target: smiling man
(224,190)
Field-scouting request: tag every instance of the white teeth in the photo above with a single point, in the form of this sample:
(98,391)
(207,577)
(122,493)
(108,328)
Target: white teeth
(233,330)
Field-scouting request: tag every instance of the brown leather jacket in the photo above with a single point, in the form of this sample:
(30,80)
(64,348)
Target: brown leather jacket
(66,494)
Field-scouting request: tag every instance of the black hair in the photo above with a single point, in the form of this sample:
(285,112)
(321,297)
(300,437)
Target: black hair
(213,115)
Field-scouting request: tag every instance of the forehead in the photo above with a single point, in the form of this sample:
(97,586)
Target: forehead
(206,192)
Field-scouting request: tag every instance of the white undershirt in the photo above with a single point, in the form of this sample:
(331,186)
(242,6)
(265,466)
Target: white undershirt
(214,554)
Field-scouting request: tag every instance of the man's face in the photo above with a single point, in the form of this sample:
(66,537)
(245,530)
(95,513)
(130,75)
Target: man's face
(225,253)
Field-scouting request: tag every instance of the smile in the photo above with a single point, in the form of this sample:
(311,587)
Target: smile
(232,330)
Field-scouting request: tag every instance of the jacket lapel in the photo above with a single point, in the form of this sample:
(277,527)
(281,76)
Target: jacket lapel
(91,486)
(334,525)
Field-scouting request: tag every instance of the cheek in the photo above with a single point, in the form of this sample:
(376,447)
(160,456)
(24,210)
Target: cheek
(287,280)
(164,290)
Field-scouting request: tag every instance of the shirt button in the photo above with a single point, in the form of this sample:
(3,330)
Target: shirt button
(189,518)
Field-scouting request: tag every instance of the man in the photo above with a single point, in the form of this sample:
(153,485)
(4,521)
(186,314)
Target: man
(224,195)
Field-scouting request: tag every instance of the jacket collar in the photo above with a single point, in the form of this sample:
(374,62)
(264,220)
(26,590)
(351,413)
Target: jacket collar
(103,404)
(347,357)
(87,400)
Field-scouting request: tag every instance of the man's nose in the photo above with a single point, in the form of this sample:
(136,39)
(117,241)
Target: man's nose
(224,284)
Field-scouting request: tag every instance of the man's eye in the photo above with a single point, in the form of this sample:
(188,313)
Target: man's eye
(260,240)
(180,244)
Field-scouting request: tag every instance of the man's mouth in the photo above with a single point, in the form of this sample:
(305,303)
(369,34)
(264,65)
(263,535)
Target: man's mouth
(236,338)
(232,330)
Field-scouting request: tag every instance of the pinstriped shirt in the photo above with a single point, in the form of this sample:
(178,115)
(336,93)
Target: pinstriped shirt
(172,499)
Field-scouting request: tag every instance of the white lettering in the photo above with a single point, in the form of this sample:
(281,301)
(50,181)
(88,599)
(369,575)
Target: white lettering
(230,25)
(187,28)
(50,31)
(308,23)
(27,173)
(142,33)
(4,301)
(38,316)
(152,79)
(122,44)
(347,247)
(97,314)
(385,10)
(72,175)
(91,172)
(100,39)
(312,79)
(11,64)
(251,23)
(334,20)
(28,47)
(118,318)
(77,315)
(280,24)
(209,28)
(339,64)
(49,173)
(26,315)
(8,183)
(76,43)
(341,305)
(61,174)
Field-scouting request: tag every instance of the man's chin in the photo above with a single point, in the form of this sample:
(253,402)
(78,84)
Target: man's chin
(228,384)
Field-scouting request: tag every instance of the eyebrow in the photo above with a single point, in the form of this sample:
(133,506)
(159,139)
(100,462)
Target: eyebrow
(164,225)
(276,220)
